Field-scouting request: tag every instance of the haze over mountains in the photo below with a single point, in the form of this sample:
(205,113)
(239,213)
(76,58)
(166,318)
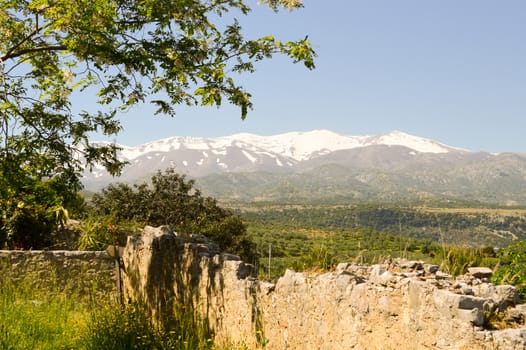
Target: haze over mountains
(322,164)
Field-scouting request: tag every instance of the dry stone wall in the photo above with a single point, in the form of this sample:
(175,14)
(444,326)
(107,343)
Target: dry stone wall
(163,272)
(82,272)
(397,305)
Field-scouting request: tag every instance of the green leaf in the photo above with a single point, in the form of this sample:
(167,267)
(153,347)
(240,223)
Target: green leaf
(128,51)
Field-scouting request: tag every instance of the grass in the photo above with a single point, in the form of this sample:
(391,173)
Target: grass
(115,327)
(44,319)
(456,260)
(30,319)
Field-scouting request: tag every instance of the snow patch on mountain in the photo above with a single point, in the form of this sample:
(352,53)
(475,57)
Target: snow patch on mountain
(300,145)
(296,145)
(249,156)
(398,138)
(249,152)
(306,145)
(221,153)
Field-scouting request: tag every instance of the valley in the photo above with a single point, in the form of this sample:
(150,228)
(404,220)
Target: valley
(319,236)
(312,199)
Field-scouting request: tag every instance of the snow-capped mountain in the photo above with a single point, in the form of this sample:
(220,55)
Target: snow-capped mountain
(296,145)
(323,164)
(249,152)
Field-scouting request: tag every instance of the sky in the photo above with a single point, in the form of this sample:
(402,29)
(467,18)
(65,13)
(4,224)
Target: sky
(450,70)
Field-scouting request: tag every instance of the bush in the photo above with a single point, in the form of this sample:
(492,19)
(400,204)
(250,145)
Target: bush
(26,225)
(33,208)
(29,220)
(97,232)
(512,267)
(174,201)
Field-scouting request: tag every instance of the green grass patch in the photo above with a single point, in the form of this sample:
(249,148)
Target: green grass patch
(31,319)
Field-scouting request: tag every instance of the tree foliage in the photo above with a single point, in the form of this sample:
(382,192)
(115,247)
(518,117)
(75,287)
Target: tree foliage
(125,52)
(174,201)
(165,51)
(32,210)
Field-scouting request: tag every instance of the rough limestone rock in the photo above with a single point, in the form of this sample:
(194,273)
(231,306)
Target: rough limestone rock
(397,305)
(500,297)
(480,272)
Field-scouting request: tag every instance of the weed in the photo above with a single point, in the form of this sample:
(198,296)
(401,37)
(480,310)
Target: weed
(494,320)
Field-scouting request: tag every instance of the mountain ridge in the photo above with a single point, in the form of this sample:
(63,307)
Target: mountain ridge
(297,145)
(322,163)
(249,152)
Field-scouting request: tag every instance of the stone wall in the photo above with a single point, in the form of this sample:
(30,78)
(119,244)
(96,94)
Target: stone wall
(83,272)
(396,305)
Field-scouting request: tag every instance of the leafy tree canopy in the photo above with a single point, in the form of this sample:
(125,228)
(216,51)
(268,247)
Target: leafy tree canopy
(168,52)
(172,200)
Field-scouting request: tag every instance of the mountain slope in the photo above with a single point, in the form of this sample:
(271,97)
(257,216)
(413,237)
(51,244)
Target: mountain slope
(247,152)
(322,164)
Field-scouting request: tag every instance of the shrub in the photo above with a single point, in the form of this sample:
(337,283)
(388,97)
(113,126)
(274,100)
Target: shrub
(32,209)
(26,225)
(512,267)
(97,232)
(174,201)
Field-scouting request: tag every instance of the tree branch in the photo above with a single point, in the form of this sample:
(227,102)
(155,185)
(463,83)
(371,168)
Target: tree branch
(32,50)
(34,32)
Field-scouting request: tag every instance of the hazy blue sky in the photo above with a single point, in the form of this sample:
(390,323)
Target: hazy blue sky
(450,70)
